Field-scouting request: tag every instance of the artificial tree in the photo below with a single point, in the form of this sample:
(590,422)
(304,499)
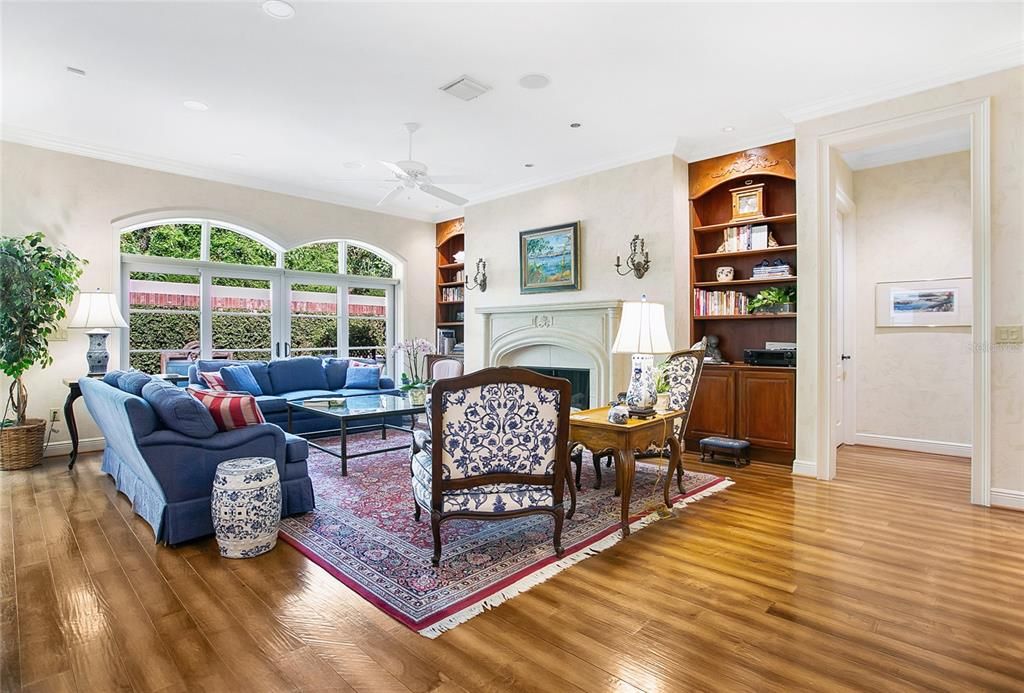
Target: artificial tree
(37,283)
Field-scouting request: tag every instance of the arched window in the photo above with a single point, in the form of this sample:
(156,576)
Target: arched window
(203,288)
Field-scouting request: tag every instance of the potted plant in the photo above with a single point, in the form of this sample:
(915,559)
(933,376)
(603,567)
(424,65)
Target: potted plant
(661,387)
(774,299)
(37,283)
(413,352)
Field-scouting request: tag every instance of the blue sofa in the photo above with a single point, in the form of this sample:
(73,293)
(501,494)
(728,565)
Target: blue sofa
(298,378)
(167,474)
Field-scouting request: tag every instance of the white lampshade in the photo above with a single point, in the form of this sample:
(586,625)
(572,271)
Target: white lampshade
(97,309)
(642,329)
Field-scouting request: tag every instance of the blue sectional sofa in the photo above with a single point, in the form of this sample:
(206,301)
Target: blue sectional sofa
(284,380)
(163,453)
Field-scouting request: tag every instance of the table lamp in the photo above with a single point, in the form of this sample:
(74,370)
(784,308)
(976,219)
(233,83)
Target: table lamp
(96,312)
(642,333)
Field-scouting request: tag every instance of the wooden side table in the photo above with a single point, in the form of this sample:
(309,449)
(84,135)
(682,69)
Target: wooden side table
(75,391)
(592,430)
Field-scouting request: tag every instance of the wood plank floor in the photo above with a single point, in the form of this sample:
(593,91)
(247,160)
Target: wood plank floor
(886,579)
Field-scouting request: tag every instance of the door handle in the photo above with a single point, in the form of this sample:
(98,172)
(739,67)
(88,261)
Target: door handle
(286,350)
(277,349)
(845,357)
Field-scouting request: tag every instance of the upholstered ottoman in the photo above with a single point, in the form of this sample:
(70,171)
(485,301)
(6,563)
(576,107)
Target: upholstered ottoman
(246,505)
(739,450)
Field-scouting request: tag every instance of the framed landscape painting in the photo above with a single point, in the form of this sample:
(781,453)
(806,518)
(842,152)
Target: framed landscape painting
(549,259)
(924,303)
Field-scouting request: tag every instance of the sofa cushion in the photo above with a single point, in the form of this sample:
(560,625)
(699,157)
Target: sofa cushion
(335,370)
(296,449)
(133,383)
(110,377)
(306,394)
(362,378)
(240,379)
(230,410)
(177,410)
(258,368)
(300,373)
(271,404)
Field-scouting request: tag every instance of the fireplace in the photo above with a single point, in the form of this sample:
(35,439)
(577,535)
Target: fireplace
(579,378)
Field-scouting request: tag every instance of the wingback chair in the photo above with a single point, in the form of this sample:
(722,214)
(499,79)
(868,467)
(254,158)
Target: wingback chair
(682,373)
(497,449)
(446,368)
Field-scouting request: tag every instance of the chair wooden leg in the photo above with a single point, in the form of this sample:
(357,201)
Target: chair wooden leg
(576,456)
(679,473)
(435,528)
(559,520)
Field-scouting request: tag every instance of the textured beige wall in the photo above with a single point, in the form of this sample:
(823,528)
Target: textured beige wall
(913,221)
(74,199)
(1006,91)
(612,206)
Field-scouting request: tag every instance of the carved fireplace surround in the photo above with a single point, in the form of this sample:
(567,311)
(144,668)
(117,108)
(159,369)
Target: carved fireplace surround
(557,335)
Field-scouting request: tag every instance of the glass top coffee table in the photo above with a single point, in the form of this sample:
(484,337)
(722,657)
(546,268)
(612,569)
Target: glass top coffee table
(357,409)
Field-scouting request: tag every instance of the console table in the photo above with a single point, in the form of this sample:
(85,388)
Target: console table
(75,391)
(592,430)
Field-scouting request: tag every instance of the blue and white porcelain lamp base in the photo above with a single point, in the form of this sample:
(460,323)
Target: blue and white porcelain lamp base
(97,357)
(642,395)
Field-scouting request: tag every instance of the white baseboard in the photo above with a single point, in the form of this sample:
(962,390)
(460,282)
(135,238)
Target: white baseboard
(1007,498)
(803,468)
(936,447)
(63,447)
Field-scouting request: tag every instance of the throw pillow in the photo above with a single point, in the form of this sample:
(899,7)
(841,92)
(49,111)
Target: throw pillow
(178,411)
(213,380)
(110,378)
(240,379)
(356,363)
(229,410)
(335,369)
(133,382)
(362,377)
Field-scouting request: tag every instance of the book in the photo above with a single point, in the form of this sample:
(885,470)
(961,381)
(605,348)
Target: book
(324,402)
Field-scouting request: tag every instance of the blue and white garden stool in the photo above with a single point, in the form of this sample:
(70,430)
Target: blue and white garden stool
(246,506)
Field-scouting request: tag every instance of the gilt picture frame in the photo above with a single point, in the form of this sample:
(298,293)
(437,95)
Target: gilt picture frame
(924,303)
(549,259)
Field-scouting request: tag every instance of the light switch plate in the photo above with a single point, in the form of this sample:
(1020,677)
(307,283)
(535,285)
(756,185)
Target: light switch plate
(1009,334)
(59,335)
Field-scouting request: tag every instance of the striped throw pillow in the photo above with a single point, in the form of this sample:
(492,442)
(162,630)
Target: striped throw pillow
(229,410)
(214,380)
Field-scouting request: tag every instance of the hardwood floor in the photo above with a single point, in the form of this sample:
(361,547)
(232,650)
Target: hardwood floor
(886,579)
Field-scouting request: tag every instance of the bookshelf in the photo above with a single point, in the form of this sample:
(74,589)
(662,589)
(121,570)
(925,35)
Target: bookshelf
(449,294)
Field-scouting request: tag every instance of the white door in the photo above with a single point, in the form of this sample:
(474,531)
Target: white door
(839,355)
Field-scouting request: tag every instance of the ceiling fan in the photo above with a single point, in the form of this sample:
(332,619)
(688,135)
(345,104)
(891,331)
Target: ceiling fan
(412,175)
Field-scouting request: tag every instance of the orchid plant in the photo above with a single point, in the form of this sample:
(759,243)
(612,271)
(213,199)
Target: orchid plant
(413,351)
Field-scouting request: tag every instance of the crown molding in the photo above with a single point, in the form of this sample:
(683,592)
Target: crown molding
(33,138)
(920,148)
(719,145)
(999,58)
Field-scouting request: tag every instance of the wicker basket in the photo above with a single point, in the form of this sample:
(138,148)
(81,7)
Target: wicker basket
(21,447)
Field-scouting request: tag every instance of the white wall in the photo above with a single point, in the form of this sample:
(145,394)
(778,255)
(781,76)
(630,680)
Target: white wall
(74,200)
(612,205)
(913,221)
(1006,91)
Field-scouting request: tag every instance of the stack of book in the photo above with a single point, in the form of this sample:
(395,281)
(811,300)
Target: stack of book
(740,238)
(324,402)
(765,271)
(719,303)
(451,294)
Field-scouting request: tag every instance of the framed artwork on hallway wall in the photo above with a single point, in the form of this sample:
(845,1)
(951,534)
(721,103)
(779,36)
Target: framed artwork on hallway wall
(549,259)
(924,303)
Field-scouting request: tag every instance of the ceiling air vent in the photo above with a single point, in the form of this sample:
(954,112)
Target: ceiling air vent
(465,88)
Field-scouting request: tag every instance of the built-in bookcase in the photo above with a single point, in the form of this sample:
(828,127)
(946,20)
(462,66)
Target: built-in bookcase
(449,296)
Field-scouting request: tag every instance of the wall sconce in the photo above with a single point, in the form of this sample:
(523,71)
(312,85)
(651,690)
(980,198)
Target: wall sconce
(480,278)
(638,261)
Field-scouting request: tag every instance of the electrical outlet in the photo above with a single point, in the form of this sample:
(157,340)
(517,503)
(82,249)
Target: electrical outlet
(54,415)
(1009,334)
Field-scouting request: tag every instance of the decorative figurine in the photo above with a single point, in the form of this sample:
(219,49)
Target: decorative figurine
(618,414)
(712,354)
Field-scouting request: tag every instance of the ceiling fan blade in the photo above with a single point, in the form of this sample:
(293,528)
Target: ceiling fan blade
(394,168)
(442,194)
(362,180)
(453,180)
(391,195)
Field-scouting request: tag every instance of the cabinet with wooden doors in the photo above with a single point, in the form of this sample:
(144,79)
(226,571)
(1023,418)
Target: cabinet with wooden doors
(752,403)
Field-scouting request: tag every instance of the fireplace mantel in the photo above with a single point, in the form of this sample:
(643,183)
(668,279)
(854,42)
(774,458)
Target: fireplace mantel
(587,329)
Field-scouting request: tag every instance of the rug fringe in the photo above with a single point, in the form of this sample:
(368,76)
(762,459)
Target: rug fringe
(548,572)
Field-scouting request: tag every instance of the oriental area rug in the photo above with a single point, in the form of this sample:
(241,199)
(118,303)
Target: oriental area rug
(363,533)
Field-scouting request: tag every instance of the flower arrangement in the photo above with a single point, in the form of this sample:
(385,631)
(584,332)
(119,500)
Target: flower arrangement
(413,351)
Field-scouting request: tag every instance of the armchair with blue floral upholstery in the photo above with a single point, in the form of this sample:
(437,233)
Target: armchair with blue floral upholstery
(497,449)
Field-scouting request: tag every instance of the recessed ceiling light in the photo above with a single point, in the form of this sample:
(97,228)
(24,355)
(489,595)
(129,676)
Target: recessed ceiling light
(575,125)
(728,128)
(528,165)
(353,164)
(278,9)
(76,71)
(196,106)
(534,81)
